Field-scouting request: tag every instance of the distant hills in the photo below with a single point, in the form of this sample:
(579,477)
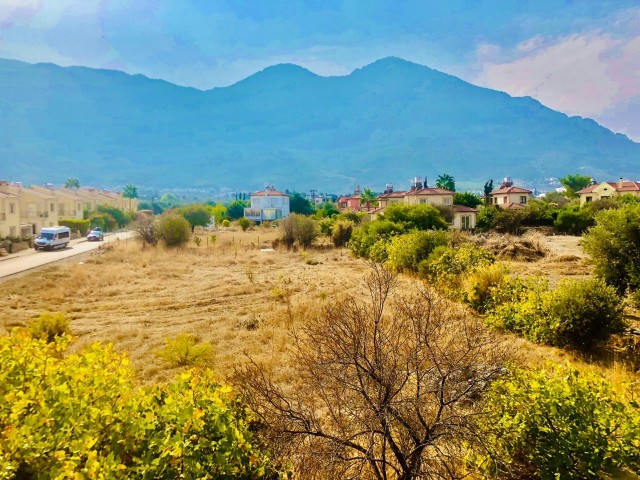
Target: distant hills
(284,125)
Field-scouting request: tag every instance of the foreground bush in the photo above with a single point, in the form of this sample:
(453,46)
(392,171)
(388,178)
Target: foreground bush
(558,423)
(173,229)
(78,416)
(614,246)
(341,232)
(579,313)
(573,222)
(480,286)
(405,252)
(48,326)
(365,237)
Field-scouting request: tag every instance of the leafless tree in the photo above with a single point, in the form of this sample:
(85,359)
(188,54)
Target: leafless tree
(382,391)
(146,230)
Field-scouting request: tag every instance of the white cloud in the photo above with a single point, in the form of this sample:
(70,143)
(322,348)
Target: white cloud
(17,11)
(592,74)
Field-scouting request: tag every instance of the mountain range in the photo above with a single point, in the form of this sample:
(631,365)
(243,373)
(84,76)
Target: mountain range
(386,122)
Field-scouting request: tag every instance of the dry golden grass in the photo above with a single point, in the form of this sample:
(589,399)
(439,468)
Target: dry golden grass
(233,294)
(236,293)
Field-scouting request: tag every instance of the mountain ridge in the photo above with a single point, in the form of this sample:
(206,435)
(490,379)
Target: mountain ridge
(384,122)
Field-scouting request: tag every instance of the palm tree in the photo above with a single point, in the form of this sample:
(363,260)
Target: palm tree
(446,181)
(130,191)
(72,183)
(368,198)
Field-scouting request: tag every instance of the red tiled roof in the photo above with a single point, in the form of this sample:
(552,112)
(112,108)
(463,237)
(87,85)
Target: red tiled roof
(510,190)
(511,206)
(463,209)
(627,186)
(392,195)
(430,191)
(271,193)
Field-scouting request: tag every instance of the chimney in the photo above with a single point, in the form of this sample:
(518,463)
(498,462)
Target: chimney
(620,183)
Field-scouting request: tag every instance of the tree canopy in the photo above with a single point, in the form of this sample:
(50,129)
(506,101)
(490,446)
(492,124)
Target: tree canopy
(72,183)
(299,204)
(446,181)
(467,199)
(573,183)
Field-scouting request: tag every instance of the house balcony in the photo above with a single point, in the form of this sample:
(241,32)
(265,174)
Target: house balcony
(263,214)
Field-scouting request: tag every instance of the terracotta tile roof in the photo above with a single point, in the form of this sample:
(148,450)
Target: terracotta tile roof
(430,191)
(392,195)
(463,209)
(510,190)
(512,206)
(627,186)
(271,193)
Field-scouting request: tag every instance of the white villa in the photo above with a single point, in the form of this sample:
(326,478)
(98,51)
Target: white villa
(268,204)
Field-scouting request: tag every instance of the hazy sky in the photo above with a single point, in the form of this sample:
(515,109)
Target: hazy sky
(581,57)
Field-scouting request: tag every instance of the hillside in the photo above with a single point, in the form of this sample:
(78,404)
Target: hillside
(385,122)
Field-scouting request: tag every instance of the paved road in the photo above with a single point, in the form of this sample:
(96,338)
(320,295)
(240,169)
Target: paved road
(29,259)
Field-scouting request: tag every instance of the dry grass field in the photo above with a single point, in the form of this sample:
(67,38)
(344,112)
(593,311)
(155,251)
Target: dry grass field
(237,293)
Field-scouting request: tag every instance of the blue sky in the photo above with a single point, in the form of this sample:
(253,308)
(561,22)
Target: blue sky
(581,57)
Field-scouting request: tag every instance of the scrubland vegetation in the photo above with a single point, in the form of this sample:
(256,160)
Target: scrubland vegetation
(414,352)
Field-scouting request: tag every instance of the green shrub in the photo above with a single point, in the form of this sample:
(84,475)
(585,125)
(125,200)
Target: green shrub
(244,223)
(447,266)
(185,351)
(557,423)
(539,213)
(573,221)
(196,215)
(486,216)
(578,313)
(74,224)
(173,230)
(325,225)
(79,415)
(341,232)
(103,220)
(118,215)
(421,217)
(226,223)
(365,236)
(405,252)
(297,228)
(509,220)
(614,246)
(48,326)
(479,286)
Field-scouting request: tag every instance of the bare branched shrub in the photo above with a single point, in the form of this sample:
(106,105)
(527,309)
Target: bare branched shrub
(146,230)
(386,389)
(298,229)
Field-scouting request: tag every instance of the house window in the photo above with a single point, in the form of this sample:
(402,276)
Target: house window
(12,231)
(504,199)
(466,222)
(447,201)
(523,199)
(52,207)
(588,199)
(12,208)
(422,200)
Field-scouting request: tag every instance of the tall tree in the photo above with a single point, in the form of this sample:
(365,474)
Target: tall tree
(299,204)
(573,183)
(446,181)
(130,191)
(467,199)
(72,183)
(368,198)
(488,188)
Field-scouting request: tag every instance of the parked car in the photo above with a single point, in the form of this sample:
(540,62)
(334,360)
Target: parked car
(52,237)
(95,235)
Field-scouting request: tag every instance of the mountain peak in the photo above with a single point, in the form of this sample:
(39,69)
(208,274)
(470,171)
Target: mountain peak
(280,74)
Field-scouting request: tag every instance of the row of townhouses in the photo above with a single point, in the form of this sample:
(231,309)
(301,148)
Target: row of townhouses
(24,211)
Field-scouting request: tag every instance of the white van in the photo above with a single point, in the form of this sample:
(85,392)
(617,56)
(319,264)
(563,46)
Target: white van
(52,237)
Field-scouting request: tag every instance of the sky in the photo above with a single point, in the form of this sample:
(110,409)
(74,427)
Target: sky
(581,57)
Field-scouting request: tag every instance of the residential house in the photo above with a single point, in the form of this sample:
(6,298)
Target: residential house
(599,191)
(268,204)
(69,202)
(510,197)
(9,215)
(419,193)
(37,209)
(351,202)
